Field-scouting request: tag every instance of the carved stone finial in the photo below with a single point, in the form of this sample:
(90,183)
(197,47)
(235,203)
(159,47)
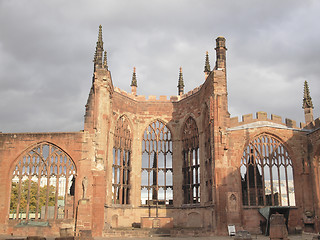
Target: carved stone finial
(134,78)
(180,83)
(98,56)
(105,63)
(207,63)
(307,101)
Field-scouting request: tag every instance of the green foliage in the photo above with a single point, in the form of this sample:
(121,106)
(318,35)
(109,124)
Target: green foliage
(33,196)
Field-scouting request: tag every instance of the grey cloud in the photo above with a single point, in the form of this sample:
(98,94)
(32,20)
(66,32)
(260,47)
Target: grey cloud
(46,52)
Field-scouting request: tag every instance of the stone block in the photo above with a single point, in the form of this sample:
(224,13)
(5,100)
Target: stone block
(242,235)
(66,232)
(291,123)
(35,238)
(261,115)
(247,117)
(276,118)
(278,229)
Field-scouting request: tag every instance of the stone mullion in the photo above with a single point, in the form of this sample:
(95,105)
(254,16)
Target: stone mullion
(190,168)
(40,165)
(279,178)
(19,189)
(121,177)
(56,198)
(263,180)
(148,171)
(28,195)
(128,176)
(38,187)
(287,184)
(255,179)
(184,174)
(165,167)
(48,160)
(248,186)
(197,174)
(271,181)
(66,189)
(125,174)
(57,190)
(115,172)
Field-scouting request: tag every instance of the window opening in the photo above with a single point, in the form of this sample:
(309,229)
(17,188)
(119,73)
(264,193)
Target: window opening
(191,162)
(156,171)
(121,162)
(43,185)
(267,174)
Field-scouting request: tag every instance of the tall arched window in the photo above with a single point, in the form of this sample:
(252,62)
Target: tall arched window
(43,184)
(121,162)
(208,158)
(191,162)
(156,172)
(267,173)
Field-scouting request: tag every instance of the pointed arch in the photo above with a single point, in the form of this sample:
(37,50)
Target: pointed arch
(154,120)
(191,162)
(121,167)
(42,184)
(266,173)
(156,171)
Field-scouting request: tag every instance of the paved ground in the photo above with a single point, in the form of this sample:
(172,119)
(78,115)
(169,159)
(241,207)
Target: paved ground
(303,236)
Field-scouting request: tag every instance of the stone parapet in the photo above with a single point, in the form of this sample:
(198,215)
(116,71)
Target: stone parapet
(263,116)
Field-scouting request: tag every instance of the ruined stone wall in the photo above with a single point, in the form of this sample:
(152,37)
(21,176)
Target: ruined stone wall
(296,142)
(314,161)
(141,112)
(12,146)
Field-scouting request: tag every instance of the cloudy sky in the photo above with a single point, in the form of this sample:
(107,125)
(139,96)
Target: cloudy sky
(47,48)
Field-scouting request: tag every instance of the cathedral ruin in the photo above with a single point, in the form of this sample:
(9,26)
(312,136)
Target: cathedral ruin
(179,163)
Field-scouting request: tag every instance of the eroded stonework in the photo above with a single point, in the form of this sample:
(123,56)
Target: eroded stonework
(178,163)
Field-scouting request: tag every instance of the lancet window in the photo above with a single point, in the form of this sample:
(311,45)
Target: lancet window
(208,155)
(156,171)
(267,173)
(191,162)
(43,183)
(121,162)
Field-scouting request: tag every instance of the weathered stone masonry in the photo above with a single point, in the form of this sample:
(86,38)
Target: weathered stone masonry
(218,170)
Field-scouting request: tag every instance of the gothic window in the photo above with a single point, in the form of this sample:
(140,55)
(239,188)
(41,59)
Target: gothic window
(156,171)
(208,157)
(43,184)
(191,163)
(121,162)
(267,173)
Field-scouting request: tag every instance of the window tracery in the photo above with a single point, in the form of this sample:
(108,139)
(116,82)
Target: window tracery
(191,162)
(121,162)
(156,171)
(267,173)
(43,184)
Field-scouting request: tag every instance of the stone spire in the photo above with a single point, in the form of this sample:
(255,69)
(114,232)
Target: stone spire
(134,78)
(307,104)
(180,83)
(98,56)
(307,101)
(105,62)
(221,53)
(134,84)
(207,65)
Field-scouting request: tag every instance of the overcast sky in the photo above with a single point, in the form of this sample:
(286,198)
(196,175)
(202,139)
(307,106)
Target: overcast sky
(47,48)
